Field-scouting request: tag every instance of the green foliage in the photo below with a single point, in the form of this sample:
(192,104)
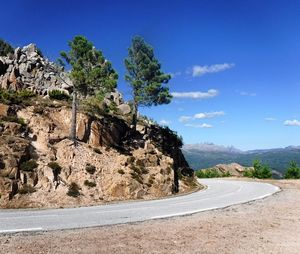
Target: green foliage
(13,97)
(90,72)
(28,165)
(211,173)
(91,169)
(145,77)
(293,171)
(261,171)
(14,119)
(5,48)
(73,190)
(90,184)
(121,172)
(248,173)
(56,168)
(58,95)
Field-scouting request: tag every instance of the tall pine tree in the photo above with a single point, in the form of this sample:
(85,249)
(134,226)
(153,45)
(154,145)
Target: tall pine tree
(90,73)
(145,77)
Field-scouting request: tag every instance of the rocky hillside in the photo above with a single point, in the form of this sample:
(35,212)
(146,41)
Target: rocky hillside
(39,165)
(232,169)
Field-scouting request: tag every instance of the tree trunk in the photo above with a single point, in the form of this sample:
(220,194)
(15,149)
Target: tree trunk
(134,116)
(74,119)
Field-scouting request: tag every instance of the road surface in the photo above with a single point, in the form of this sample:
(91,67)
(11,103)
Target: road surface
(218,194)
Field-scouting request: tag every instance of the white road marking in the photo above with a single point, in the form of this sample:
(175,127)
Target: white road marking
(20,230)
(183,213)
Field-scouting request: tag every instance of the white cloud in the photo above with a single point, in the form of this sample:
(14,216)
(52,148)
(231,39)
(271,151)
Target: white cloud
(184,119)
(201,70)
(292,122)
(203,125)
(196,95)
(247,94)
(209,115)
(164,122)
(270,119)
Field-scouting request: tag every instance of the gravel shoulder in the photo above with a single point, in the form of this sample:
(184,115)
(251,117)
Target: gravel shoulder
(271,225)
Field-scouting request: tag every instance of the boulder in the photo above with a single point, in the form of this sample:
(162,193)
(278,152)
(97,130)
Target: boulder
(124,109)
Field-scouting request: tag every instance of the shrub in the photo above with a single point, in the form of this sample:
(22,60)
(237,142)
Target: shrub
(121,172)
(26,189)
(293,171)
(211,173)
(56,169)
(12,97)
(89,184)
(73,190)
(261,171)
(14,119)
(97,150)
(136,177)
(91,169)
(54,165)
(25,94)
(58,95)
(136,169)
(28,165)
(248,173)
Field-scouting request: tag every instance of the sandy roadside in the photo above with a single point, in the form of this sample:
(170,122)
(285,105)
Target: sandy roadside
(271,225)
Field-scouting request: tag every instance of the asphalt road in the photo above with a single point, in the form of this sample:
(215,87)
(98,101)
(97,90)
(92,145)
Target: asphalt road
(219,194)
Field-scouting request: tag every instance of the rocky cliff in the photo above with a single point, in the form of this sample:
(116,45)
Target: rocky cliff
(40,167)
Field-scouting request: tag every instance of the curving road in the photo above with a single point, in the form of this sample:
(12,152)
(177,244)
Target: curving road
(218,194)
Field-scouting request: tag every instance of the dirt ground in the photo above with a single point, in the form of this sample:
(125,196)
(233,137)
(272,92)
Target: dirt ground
(271,225)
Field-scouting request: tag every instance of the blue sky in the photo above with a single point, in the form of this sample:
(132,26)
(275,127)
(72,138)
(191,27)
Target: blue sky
(240,58)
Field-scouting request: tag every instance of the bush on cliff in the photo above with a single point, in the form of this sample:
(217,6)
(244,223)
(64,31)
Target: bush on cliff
(12,97)
(58,95)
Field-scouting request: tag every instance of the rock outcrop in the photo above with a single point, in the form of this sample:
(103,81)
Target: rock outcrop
(111,162)
(233,169)
(39,165)
(27,68)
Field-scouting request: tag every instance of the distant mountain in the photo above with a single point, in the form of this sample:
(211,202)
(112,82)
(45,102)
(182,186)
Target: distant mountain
(207,155)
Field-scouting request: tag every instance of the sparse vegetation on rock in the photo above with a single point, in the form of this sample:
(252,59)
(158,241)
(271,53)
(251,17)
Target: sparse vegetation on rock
(141,163)
(58,95)
(28,165)
(73,190)
(91,169)
(90,184)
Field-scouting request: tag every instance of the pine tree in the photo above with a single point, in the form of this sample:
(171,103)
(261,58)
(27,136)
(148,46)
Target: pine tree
(293,171)
(90,73)
(5,48)
(145,77)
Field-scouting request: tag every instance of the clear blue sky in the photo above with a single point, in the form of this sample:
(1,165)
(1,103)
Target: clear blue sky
(240,58)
